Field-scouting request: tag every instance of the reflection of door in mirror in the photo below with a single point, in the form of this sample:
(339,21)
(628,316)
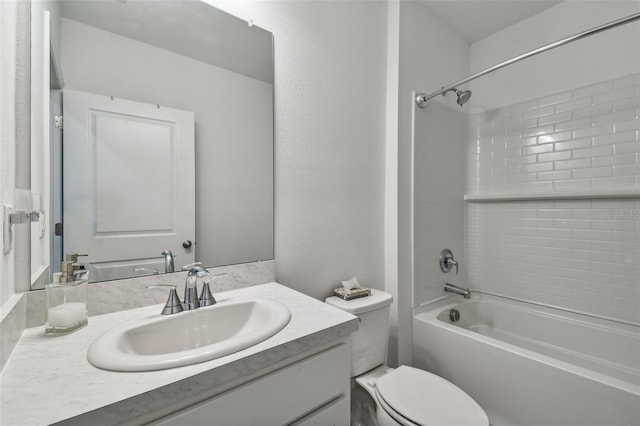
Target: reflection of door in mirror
(128,184)
(181,54)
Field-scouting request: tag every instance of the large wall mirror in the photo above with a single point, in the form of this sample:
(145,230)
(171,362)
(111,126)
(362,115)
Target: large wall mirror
(152,131)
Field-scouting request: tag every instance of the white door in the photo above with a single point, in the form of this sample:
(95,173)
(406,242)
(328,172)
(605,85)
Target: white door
(128,183)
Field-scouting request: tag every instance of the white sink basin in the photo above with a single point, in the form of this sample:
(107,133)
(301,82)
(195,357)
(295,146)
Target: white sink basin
(166,341)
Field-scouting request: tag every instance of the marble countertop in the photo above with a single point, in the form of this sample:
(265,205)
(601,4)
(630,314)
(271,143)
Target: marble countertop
(48,379)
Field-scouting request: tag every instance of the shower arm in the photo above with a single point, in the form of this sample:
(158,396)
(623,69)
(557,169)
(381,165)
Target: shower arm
(453,89)
(422,98)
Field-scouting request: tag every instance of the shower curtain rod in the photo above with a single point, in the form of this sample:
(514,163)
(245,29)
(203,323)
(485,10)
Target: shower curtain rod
(422,99)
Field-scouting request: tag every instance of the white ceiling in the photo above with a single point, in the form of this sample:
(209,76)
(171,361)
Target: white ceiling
(477,19)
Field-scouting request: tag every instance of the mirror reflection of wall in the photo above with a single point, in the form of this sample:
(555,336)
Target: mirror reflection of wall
(181,55)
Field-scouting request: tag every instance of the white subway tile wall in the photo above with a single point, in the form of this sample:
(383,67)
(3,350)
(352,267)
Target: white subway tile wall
(578,254)
(587,138)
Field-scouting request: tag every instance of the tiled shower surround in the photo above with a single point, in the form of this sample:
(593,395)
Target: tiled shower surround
(579,254)
(582,254)
(579,139)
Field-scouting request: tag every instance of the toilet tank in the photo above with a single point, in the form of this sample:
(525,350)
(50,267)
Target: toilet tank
(369,342)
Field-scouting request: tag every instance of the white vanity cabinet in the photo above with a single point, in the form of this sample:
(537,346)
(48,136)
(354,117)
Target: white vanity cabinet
(312,391)
(299,376)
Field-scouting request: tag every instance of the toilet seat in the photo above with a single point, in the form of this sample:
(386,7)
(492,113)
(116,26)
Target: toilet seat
(416,397)
(392,413)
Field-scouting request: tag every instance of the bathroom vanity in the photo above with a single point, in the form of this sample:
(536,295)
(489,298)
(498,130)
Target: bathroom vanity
(49,380)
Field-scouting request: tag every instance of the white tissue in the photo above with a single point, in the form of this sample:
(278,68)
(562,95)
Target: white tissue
(351,284)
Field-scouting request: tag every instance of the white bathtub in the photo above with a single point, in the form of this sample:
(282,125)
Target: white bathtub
(530,365)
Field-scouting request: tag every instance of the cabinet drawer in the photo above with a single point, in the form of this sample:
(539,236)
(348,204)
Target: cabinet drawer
(336,413)
(277,398)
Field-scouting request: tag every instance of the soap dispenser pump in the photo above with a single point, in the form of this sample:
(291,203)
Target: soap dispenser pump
(69,267)
(66,308)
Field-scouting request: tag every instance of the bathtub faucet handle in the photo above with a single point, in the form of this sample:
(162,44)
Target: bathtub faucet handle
(454,263)
(447,261)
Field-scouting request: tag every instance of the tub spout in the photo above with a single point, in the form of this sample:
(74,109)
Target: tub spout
(452,288)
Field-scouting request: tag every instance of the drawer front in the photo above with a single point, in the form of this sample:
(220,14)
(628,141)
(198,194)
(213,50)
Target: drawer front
(277,398)
(336,413)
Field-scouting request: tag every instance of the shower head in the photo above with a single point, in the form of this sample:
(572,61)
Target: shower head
(463,95)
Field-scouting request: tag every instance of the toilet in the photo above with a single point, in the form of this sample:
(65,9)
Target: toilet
(402,396)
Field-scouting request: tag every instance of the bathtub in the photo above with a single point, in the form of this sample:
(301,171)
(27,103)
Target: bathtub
(532,365)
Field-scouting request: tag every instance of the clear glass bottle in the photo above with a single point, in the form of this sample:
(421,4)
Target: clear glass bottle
(66,307)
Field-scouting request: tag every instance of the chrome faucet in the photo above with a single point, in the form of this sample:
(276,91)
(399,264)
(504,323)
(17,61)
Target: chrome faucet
(168,261)
(191,300)
(191,288)
(452,288)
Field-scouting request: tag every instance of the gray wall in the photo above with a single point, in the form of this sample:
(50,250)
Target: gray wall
(330,68)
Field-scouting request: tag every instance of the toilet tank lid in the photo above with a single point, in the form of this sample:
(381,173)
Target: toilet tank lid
(378,299)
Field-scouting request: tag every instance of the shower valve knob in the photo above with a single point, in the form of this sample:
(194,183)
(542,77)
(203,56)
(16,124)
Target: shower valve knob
(447,261)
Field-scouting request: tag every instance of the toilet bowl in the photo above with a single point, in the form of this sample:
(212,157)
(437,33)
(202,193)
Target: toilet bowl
(402,396)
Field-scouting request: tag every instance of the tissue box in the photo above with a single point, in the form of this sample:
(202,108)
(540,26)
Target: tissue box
(354,293)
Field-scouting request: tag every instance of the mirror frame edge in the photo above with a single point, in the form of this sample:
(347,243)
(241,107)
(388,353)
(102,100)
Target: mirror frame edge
(22,234)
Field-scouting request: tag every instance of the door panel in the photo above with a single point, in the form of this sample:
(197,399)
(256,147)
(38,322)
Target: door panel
(133,195)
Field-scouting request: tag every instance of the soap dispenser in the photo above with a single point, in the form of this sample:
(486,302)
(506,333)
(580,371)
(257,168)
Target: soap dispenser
(66,307)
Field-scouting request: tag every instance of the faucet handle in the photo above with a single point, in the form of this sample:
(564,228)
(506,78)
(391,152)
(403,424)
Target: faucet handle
(190,266)
(447,261)
(173,305)
(216,276)
(454,263)
(206,298)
